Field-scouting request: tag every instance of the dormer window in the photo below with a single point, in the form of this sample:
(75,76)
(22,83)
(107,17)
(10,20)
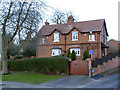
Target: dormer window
(75,36)
(56,37)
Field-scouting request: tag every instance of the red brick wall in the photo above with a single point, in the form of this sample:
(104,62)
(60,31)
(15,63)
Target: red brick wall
(113,45)
(83,41)
(106,66)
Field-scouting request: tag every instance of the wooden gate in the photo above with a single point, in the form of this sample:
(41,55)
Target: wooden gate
(78,67)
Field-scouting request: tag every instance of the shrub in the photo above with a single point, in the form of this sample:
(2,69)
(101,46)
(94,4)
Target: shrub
(41,65)
(73,55)
(119,51)
(61,55)
(28,52)
(17,57)
(68,53)
(86,54)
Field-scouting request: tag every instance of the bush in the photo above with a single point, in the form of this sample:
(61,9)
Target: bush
(68,53)
(86,54)
(41,65)
(17,57)
(73,55)
(61,55)
(119,51)
(28,52)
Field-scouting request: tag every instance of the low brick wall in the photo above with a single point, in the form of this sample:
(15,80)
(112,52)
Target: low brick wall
(106,66)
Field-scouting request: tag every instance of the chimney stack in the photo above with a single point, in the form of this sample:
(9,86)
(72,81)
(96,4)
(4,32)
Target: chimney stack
(70,20)
(46,23)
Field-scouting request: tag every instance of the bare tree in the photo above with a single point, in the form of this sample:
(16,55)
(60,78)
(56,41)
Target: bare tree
(60,17)
(17,17)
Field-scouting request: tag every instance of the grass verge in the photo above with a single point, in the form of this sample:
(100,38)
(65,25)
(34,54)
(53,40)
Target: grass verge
(29,78)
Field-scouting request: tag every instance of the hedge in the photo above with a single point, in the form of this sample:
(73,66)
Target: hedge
(58,64)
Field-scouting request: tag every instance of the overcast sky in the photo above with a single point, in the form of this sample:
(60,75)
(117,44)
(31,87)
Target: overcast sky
(91,10)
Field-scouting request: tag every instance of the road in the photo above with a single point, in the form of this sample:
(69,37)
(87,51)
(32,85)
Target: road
(110,81)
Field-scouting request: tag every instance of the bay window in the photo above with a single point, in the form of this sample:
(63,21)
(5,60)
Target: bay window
(56,52)
(77,51)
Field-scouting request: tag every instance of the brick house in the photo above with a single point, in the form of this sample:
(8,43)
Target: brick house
(114,46)
(57,39)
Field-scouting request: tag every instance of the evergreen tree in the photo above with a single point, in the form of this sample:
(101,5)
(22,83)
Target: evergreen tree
(68,53)
(86,54)
(73,55)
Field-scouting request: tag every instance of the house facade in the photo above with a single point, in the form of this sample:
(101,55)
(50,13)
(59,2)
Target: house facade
(114,46)
(58,39)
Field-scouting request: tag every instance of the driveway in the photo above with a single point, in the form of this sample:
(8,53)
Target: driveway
(110,81)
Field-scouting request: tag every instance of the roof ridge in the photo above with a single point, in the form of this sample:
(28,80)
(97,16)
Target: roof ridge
(90,20)
(58,24)
(77,22)
(82,26)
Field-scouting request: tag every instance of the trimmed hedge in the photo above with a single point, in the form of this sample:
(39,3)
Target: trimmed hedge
(58,64)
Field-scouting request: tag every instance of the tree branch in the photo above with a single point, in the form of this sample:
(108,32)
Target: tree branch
(6,18)
(18,22)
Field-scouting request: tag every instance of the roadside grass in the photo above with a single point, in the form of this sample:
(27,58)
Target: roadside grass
(31,78)
(0,78)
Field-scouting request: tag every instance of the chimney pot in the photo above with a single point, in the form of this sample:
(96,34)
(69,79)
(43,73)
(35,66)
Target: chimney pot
(46,23)
(70,19)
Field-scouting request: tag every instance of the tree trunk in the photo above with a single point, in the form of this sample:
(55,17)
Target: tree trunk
(4,56)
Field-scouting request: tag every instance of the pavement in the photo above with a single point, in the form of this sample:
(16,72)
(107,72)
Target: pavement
(110,81)
(72,81)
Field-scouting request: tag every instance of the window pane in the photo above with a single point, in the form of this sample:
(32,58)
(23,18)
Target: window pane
(56,37)
(75,35)
(92,38)
(56,52)
(77,51)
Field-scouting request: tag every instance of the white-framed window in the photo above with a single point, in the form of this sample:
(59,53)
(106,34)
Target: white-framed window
(56,52)
(75,36)
(56,37)
(42,41)
(77,51)
(91,37)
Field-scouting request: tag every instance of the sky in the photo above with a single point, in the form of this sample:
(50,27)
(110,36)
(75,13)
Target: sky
(92,10)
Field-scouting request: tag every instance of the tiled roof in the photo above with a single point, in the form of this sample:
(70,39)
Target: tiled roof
(114,40)
(84,26)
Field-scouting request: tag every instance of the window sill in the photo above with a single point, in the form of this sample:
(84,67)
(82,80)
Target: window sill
(74,40)
(92,41)
(55,41)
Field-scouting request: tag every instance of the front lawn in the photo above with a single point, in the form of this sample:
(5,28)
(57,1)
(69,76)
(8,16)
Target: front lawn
(29,78)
